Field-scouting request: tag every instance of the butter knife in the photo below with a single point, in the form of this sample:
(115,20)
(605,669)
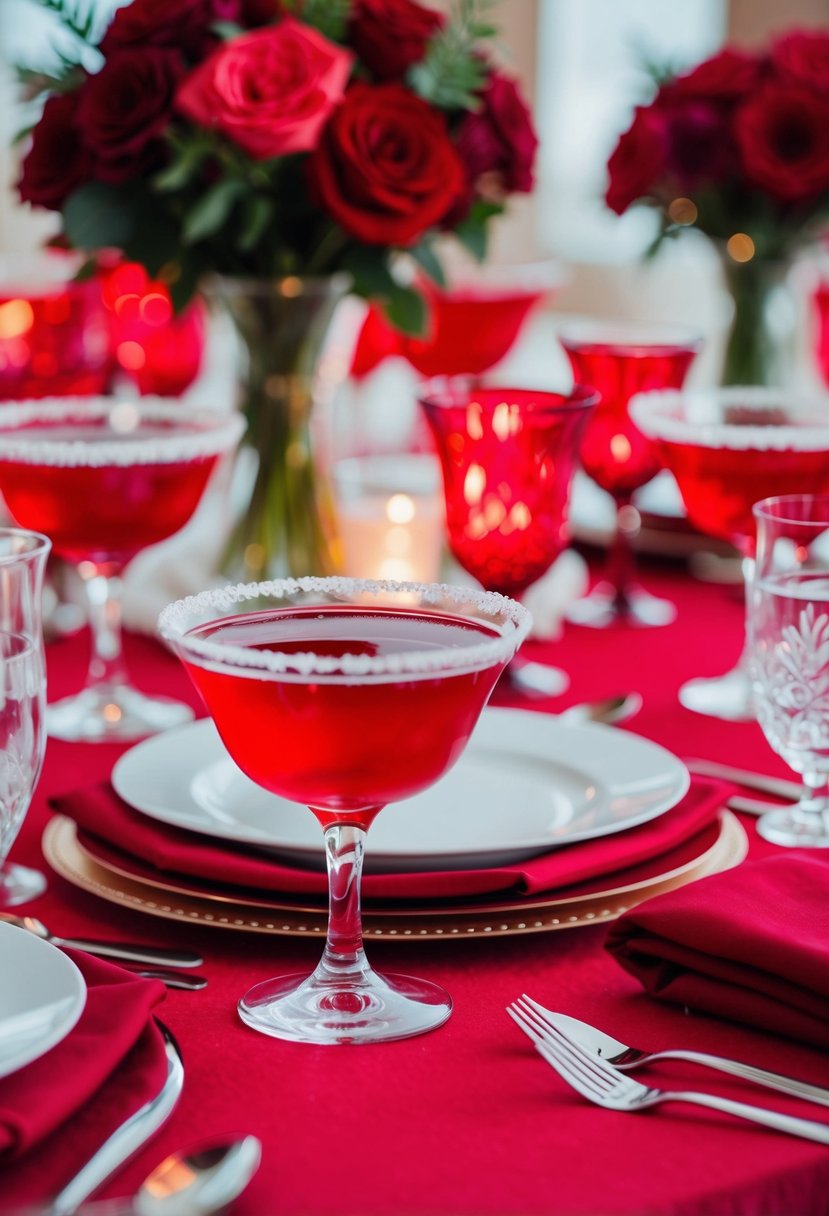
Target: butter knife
(777,786)
(126,1140)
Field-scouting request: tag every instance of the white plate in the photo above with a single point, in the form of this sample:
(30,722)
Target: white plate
(525,784)
(42,994)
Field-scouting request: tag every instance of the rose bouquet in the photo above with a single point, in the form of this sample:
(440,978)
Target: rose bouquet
(285,151)
(281,137)
(737,148)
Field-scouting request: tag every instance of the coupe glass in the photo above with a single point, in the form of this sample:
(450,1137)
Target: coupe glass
(508,456)
(788,632)
(727,448)
(103,479)
(619,361)
(22,747)
(22,566)
(344,694)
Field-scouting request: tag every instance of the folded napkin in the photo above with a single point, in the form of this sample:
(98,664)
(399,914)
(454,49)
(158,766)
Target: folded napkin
(112,829)
(751,944)
(115,1029)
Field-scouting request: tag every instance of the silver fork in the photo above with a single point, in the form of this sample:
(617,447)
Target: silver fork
(625,1058)
(599,1082)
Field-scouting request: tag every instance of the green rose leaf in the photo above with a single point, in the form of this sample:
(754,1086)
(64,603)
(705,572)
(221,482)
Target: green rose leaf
(98,216)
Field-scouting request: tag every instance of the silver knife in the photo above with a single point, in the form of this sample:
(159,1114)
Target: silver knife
(127,952)
(777,786)
(126,1140)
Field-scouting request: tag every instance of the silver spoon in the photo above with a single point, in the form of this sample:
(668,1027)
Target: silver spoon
(200,1183)
(609,710)
(172,979)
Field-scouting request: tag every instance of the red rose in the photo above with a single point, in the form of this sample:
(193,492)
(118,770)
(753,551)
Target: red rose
(498,141)
(638,159)
(183,24)
(728,74)
(269,91)
(390,35)
(125,107)
(57,161)
(699,143)
(385,168)
(802,56)
(783,137)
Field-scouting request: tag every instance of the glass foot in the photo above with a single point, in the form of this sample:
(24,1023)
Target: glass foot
(19,884)
(379,1008)
(727,697)
(113,713)
(793,826)
(604,606)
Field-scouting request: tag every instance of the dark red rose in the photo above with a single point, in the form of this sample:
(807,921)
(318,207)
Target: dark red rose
(183,24)
(247,13)
(783,137)
(270,91)
(385,168)
(699,143)
(498,142)
(638,160)
(125,107)
(727,74)
(390,35)
(802,57)
(57,161)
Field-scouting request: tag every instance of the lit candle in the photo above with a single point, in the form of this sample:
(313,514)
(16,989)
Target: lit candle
(390,517)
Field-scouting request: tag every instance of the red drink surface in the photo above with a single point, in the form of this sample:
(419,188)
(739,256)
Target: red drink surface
(102,512)
(345,745)
(720,485)
(614,452)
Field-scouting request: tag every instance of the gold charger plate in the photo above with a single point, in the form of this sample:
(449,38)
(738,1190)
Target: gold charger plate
(71,861)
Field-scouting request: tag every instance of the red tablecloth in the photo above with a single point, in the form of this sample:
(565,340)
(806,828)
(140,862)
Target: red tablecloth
(468,1120)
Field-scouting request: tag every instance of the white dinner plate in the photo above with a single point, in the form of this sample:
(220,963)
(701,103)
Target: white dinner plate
(525,784)
(42,995)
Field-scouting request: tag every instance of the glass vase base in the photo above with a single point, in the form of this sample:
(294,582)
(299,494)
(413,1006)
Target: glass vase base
(374,1009)
(19,884)
(113,714)
(727,697)
(796,827)
(606,606)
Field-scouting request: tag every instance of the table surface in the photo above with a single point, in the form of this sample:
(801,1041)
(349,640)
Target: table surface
(467,1119)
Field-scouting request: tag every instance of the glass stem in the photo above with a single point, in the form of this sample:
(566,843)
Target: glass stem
(621,559)
(344,958)
(103,586)
(815,798)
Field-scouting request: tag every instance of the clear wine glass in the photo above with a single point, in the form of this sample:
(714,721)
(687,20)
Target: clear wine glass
(507,456)
(620,360)
(788,645)
(727,448)
(104,479)
(22,747)
(372,689)
(23,557)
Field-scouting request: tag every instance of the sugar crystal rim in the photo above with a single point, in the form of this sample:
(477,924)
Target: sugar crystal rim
(220,431)
(185,614)
(661,414)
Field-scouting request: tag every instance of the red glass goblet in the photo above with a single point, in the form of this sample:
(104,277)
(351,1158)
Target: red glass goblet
(507,456)
(727,449)
(618,361)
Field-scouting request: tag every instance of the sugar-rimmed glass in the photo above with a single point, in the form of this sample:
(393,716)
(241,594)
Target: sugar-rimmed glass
(619,360)
(104,479)
(344,694)
(22,747)
(788,646)
(727,448)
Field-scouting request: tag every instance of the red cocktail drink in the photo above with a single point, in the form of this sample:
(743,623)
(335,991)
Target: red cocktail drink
(104,479)
(619,361)
(345,694)
(727,449)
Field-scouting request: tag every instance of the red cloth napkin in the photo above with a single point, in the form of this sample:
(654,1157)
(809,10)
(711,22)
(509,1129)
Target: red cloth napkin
(114,1029)
(751,944)
(106,820)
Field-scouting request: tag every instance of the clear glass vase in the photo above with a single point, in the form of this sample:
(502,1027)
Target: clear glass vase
(760,348)
(287,525)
